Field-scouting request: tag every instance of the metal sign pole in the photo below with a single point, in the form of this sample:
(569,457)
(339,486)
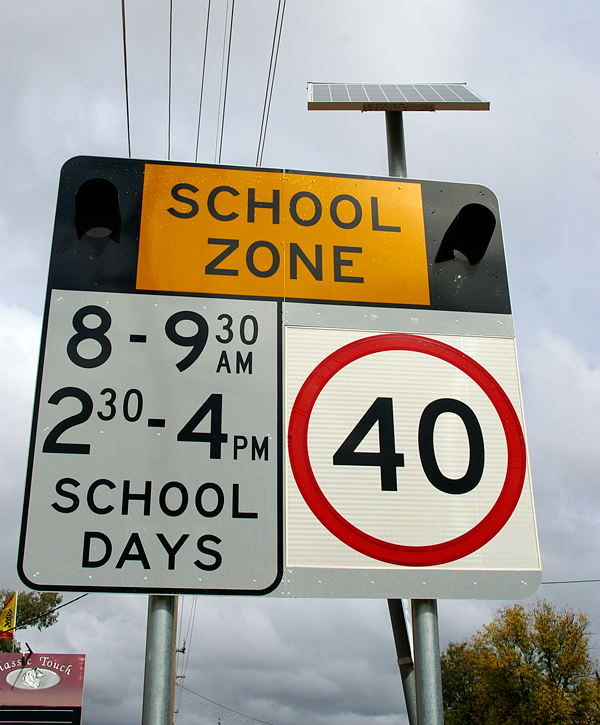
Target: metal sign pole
(405,661)
(430,709)
(158,673)
(423,689)
(394,127)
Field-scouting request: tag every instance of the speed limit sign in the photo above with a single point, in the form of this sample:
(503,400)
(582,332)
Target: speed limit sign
(392,367)
(406,451)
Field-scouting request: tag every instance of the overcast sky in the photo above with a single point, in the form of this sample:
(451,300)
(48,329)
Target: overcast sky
(62,95)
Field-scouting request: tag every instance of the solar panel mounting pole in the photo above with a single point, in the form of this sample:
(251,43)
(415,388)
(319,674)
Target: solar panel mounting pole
(394,126)
(422,683)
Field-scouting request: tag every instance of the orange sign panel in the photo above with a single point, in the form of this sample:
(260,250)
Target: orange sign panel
(257,233)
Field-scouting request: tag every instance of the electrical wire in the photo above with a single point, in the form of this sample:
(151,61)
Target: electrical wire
(223,93)
(179,649)
(270,80)
(170,72)
(186,639)
(224,708)
(574,581)
(23,625)
(268,85)
(190,633)
(262,120)
(126,78)
(221,84)
(202,83)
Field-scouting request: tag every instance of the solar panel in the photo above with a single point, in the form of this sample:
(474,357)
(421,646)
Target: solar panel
(412,94)
(428,93)
(339,92)
(393,93)
(357,93)
(321,93)
(394,97)
(446,92)
(375,93)
(465,93)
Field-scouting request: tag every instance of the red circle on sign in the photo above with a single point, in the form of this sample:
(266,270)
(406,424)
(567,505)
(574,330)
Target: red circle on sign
(364,543)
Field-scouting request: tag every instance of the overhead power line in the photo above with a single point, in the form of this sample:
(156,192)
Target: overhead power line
(270,80)
(126,78)
(33,620)
(170,73)
(186,649)
(574,581)
(224,708)
(223,89)
(202,82)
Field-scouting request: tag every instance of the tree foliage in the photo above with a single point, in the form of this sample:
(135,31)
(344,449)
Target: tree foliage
(528,666)
(34,607)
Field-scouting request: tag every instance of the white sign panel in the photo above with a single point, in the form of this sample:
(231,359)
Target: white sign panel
(156,445)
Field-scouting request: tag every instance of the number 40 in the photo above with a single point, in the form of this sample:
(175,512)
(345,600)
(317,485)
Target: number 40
(387,460)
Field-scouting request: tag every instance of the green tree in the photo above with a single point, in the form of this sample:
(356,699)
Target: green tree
(34,607)
(529,666)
